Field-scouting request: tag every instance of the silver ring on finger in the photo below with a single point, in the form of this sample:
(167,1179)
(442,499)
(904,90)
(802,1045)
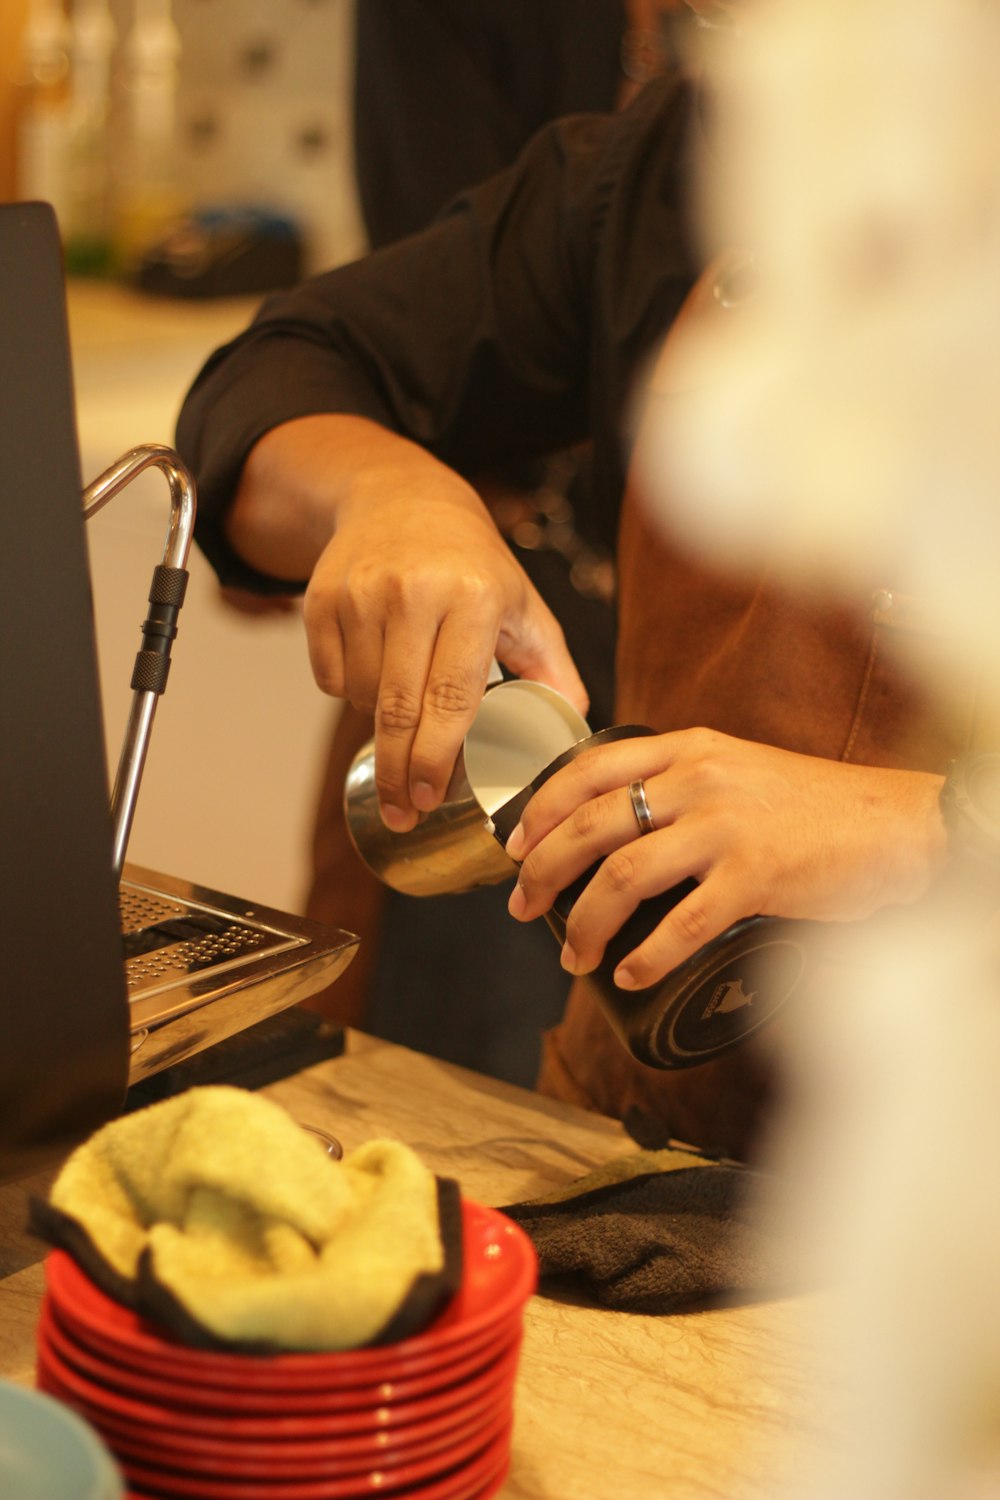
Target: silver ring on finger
(640,806)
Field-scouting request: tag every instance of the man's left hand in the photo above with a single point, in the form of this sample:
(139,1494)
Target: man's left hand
(763,832)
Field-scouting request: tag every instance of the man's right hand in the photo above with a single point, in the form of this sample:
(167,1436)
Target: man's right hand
(412,592)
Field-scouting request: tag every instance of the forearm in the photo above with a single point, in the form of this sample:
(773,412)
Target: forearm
(304,476)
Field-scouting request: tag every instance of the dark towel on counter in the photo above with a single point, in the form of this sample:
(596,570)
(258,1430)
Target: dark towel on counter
(661,1232)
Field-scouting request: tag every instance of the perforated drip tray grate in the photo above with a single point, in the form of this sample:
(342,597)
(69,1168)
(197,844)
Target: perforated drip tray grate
(173,940)
(201,965)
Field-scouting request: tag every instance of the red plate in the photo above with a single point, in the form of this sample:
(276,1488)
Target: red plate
(179,1394)
(180,1475)
(342,1480)
(363,1428)
(491,1488)
(500,1273)
(261,1373)
(99,1399)
(476,1491)
(290,1460)
(177,1387)
(156,1482)
(466,1482)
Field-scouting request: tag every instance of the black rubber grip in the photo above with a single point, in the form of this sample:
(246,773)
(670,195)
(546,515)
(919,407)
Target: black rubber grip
(149,675)
(168,586)
(166,595)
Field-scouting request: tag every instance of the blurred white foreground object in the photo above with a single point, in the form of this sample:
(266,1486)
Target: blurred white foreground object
(843,417)
(838,420)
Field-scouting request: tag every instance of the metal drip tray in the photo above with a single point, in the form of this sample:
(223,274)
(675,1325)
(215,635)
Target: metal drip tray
(164,941)
(201,966)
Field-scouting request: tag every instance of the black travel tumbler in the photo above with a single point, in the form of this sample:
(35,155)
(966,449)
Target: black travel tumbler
(728,989)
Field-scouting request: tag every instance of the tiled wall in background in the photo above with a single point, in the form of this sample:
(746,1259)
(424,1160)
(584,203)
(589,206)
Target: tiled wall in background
(264,111)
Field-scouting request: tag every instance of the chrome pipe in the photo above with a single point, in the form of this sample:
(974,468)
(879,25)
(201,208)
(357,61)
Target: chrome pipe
(166,595)
(183,504)
(131,764)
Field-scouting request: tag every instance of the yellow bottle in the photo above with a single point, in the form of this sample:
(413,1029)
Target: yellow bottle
(87,231)
(42,118)
(148,191)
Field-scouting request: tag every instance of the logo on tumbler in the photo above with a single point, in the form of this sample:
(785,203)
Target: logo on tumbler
(730,995)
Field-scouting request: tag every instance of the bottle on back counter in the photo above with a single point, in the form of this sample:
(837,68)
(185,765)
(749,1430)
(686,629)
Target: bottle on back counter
(43,101)
(87,219)
(148,191)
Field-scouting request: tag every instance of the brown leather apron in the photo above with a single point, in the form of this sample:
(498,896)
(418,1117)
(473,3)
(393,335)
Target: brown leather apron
(754,658)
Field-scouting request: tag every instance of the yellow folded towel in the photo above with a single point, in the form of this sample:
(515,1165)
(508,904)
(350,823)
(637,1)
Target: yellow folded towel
(214,1213)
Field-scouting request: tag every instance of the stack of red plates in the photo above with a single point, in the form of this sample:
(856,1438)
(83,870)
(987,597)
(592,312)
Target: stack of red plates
(429,1417)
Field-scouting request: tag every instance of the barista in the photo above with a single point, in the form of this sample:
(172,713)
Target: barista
(793,774)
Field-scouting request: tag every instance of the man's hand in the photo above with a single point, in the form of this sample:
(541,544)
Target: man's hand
(406,608)
(412,591)
(763,831)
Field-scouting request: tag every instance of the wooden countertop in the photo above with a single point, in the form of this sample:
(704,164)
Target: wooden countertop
(610,1406)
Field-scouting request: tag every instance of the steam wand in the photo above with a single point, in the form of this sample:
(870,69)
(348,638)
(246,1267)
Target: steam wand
(166,595)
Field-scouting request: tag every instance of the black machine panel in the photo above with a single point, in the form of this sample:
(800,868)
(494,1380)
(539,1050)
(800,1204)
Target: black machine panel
(63,1004)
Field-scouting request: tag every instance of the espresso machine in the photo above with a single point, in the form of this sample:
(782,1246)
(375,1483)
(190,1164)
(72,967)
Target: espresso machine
(112,976)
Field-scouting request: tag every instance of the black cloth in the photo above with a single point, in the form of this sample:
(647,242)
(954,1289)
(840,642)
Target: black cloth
(665,1231)
(514,325)
(446,93)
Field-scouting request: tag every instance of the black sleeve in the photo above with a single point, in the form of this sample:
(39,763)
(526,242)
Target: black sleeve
(472,337)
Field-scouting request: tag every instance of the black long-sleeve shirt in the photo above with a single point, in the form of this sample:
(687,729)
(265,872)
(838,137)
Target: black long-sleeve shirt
(515,325)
